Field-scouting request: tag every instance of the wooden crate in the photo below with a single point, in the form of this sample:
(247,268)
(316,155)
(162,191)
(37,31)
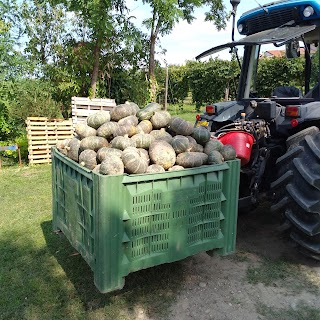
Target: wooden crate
(83,107)
(43,134)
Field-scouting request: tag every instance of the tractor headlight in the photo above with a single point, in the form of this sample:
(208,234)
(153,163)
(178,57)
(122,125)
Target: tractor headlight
(308,12)
(240,28)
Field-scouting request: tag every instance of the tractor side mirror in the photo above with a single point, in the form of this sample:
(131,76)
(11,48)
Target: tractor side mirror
(293,49)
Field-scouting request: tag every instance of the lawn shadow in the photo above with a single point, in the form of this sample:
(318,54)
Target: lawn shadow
(150,291)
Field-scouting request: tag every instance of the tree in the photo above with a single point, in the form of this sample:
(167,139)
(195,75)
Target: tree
(99,18)
(166,13)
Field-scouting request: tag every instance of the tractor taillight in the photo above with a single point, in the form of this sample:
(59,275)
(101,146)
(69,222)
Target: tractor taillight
(294,123)
(292,111)
(210,109)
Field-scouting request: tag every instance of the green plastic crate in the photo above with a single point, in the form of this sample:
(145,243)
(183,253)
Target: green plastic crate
(121,224)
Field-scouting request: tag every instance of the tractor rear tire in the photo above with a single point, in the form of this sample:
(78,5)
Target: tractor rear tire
(297,191)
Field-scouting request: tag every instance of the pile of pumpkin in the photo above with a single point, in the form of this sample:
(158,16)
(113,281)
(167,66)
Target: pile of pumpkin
(133,140)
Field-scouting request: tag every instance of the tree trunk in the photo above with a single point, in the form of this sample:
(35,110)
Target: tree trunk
(95,71)
(152,78)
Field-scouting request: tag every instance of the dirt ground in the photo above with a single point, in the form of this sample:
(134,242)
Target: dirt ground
(266,279)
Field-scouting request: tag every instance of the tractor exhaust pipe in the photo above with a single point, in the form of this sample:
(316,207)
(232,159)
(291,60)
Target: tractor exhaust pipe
(234,4)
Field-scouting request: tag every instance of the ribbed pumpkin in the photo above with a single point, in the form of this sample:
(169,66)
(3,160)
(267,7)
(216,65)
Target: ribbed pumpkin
(105,152)
(126,129)
(161,134)
(193,143)
(62,146)
(147,112)
(201,135)
(145,126)
(107,130)
(134,107)
(121,142)
(97,119)
(160,119)
(198,148)
(180,144)
(142,140)
(121,111)
(155,168)
(144,154)
(211,145)
(176,168)
(73,149)
(83,130)
(162,153)
(228,152)
(215,157)
(112,165)
(189,159)
(132,120)
(88,159)
(181,126)
(134,161)
(93,143)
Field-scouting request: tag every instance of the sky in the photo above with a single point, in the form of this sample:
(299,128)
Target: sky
(186,41)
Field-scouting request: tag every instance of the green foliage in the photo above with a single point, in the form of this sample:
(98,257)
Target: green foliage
(22,142)
(275,72)
(33,98)
(208,80)
(178,84)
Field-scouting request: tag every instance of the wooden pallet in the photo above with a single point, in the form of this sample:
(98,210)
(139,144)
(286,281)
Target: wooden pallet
(43,134)
(83,107)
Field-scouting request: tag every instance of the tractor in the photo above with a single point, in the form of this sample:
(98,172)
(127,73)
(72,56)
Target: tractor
(276,137)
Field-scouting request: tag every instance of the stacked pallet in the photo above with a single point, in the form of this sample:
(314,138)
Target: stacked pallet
(84,107)
(43,134)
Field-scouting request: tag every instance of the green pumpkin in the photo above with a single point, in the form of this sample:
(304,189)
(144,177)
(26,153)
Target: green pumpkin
(145,126)
(106,152)
(180,144)
(142,140)
(93,143)
(121,111)
(88,159)
(125,129)
(97,119)
(155,168)
(228,152)
(121,142)
(162,153)
(130,120)
(83,130)
(212,145)
(134,162)
(161,134)
(215,157)
(160,119)
(201,134)
(112,165)
(190,159)
(181,126)
(108,129)
(147,112)
(73,149)
(193,143)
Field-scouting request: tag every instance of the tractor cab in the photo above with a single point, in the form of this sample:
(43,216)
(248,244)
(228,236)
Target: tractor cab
(293,25)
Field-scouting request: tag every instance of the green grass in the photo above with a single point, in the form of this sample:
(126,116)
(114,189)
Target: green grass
(187,111)
(280,272)
(42,277)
